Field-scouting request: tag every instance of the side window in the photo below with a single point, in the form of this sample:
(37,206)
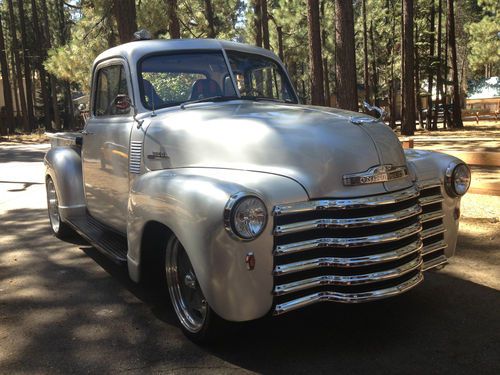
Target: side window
(111,82)
(267,83)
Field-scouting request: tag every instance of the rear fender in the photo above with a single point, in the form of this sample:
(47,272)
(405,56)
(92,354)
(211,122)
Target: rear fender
(64,166)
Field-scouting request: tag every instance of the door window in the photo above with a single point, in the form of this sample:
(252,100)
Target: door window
(111,82)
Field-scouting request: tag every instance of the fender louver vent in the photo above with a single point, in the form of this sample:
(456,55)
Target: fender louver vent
(135,157)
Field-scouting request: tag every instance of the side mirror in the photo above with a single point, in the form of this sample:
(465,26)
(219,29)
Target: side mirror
(122,103)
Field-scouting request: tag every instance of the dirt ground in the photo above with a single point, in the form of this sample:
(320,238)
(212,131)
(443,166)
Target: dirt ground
(478,248)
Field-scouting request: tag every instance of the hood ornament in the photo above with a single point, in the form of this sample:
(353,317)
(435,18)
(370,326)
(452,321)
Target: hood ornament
(367,120)
(381,173)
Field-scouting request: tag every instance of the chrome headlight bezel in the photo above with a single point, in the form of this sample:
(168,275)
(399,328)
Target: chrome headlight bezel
(450,179)
(230,210)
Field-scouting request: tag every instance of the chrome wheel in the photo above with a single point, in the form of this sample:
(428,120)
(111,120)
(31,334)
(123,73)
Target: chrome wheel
(185,292)
(53,206)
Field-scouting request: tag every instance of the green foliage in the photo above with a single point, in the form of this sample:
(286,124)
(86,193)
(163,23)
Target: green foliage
(95,30)
(72,61)
(484,40)
(171,87)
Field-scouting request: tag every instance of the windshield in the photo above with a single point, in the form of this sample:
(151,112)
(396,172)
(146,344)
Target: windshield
(174,79)
(259,77)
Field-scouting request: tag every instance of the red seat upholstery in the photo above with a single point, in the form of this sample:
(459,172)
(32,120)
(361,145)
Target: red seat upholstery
(204,88)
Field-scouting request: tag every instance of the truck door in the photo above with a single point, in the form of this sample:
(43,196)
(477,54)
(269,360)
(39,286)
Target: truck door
(105,146)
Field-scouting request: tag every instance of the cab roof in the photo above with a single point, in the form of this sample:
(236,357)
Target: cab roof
(133,51)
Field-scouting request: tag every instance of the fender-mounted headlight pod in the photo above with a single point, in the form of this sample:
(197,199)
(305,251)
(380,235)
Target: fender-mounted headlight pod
(245,216)
(457,179)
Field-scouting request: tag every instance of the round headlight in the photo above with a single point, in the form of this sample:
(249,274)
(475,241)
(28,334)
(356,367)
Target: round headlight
(458,179)
(245,216)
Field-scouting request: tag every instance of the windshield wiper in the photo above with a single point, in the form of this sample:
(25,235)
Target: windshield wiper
(215,98)
(263,98)
(266,98)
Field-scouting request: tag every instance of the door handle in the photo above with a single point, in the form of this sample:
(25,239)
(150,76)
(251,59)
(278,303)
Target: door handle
(84,132)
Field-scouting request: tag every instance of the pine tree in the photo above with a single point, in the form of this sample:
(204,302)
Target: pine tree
(347,95)
(27,68)
(17,61)
(408,120)
(315,57)
(173,20)
(125,15)
(457,111)
(7,90)
(366,75)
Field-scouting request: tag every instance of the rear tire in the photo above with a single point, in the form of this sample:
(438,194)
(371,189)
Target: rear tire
(59,228)
(196,318)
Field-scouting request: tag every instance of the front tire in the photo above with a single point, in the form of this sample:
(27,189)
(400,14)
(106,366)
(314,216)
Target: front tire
(59,228)
(197,320)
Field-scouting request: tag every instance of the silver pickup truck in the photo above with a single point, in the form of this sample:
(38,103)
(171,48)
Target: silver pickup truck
(199,162)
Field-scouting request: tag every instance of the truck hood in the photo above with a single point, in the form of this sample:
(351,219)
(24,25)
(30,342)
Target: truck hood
(315,146)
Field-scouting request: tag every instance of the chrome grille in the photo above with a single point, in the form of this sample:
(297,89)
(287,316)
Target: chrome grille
(355,250)
(433,230)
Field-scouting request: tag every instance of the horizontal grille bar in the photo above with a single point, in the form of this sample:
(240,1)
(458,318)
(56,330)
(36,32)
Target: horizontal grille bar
(433,231)
(434,262)
(424,201)
(347,280)
(346,204)
(341,262)
(428,216)
(347,223)
(350,241)
(436,246)
(347,297)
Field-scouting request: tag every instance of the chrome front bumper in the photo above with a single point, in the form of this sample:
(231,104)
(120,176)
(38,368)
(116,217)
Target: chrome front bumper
(356,250)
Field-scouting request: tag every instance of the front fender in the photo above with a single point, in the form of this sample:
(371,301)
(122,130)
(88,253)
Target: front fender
(190,202)
(431,166)
(64,166)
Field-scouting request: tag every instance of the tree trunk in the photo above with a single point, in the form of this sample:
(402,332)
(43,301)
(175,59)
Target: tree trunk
(417,81)
(174,28)
(315,58)
(324,38)
(392,53)
(7,90)
(210,18)
(432,41)
(347,95)
(27,68)
(457,113)
(439,64)
(365,54)
(408,120)
(20,83)
(327,82)
(279,30)
(52,78)
(39,40)
(63,38)
(16,92)
(257,9)
(447,117)
(125,15)
(265,24)
(374,66)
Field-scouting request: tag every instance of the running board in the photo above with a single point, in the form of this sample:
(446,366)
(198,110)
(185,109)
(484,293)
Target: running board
(104,239)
